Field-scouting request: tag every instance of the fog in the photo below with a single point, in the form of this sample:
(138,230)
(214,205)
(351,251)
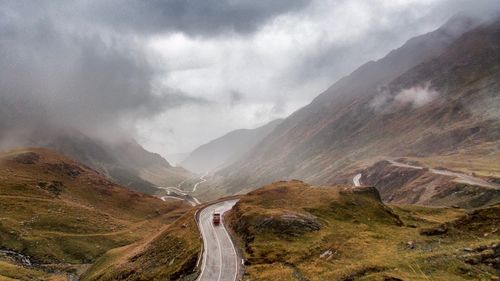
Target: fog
(176,74)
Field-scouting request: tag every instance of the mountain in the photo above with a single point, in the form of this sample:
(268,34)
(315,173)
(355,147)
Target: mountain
(411,182)
(58,214)
(124,160)
(294,231)
(177,158)
(436,96)
(227,149)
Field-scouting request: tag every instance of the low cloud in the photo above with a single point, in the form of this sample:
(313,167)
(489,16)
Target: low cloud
(198,67)
(53,78)
(416,96)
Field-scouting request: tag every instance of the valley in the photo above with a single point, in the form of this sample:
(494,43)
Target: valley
(390,174)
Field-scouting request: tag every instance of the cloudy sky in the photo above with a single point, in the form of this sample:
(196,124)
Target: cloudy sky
(175,74)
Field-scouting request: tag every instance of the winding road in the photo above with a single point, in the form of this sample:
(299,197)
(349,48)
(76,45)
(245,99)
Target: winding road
(202,180)
(356,179)
(459,177)
(174,192)
(221,261)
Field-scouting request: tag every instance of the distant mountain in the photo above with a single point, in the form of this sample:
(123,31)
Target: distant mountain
(227,149)
(176,158)
(436,95)
(124,161)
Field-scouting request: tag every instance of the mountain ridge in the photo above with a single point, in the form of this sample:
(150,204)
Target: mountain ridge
(227,149)
(326,139)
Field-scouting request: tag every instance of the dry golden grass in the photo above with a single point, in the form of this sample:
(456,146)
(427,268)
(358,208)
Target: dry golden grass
(55,210)
(169,254)
(366,239)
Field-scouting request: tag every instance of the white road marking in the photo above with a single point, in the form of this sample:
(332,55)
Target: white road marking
(210,262)
(220,251)
(234,250)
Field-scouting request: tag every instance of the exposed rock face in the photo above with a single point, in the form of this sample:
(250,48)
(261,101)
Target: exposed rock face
(27,158)
(54,187)
(403,185)
(72,171)
(368,191)
(288,224)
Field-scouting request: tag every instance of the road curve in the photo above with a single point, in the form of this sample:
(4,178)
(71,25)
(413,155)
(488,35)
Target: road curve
(459,177)
(220,259)
(202,180)
(356,179)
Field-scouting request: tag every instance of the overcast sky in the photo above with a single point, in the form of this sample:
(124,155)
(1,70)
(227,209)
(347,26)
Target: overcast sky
(177,73)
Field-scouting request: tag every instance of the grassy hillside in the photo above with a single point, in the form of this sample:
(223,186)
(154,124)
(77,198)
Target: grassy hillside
(169,255)
(124,161)
(293,231)
(56,211)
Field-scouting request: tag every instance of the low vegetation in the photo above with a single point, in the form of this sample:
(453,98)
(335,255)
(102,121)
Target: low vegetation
(170,255)
(61,215)
(293,231)
(404,185)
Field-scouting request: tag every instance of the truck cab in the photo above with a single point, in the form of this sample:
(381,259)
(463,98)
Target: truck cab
(216,218)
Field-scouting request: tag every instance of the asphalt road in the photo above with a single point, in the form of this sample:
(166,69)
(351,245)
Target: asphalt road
(202,180)
(220,259)
(459,177)
(356,179)
(174,192)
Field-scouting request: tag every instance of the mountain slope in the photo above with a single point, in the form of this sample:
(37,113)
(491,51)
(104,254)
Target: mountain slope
(294,231)
(227,149)
(57,211)
(123,161)
(435,95)
(411,183)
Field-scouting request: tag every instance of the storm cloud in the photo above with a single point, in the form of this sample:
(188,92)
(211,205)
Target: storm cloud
(94,82)
(192,17)
(177,73)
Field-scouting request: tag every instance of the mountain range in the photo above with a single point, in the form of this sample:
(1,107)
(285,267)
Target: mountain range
(401,160)
(122,160)
(226,150)
(436,97)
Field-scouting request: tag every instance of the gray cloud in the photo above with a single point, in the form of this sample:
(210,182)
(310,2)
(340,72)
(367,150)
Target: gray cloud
(235,97)
(337,58)
(193,17)
(97,84)
(198,68)
(147,17)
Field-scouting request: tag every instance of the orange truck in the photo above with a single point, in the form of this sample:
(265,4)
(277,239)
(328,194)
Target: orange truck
(216,218)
